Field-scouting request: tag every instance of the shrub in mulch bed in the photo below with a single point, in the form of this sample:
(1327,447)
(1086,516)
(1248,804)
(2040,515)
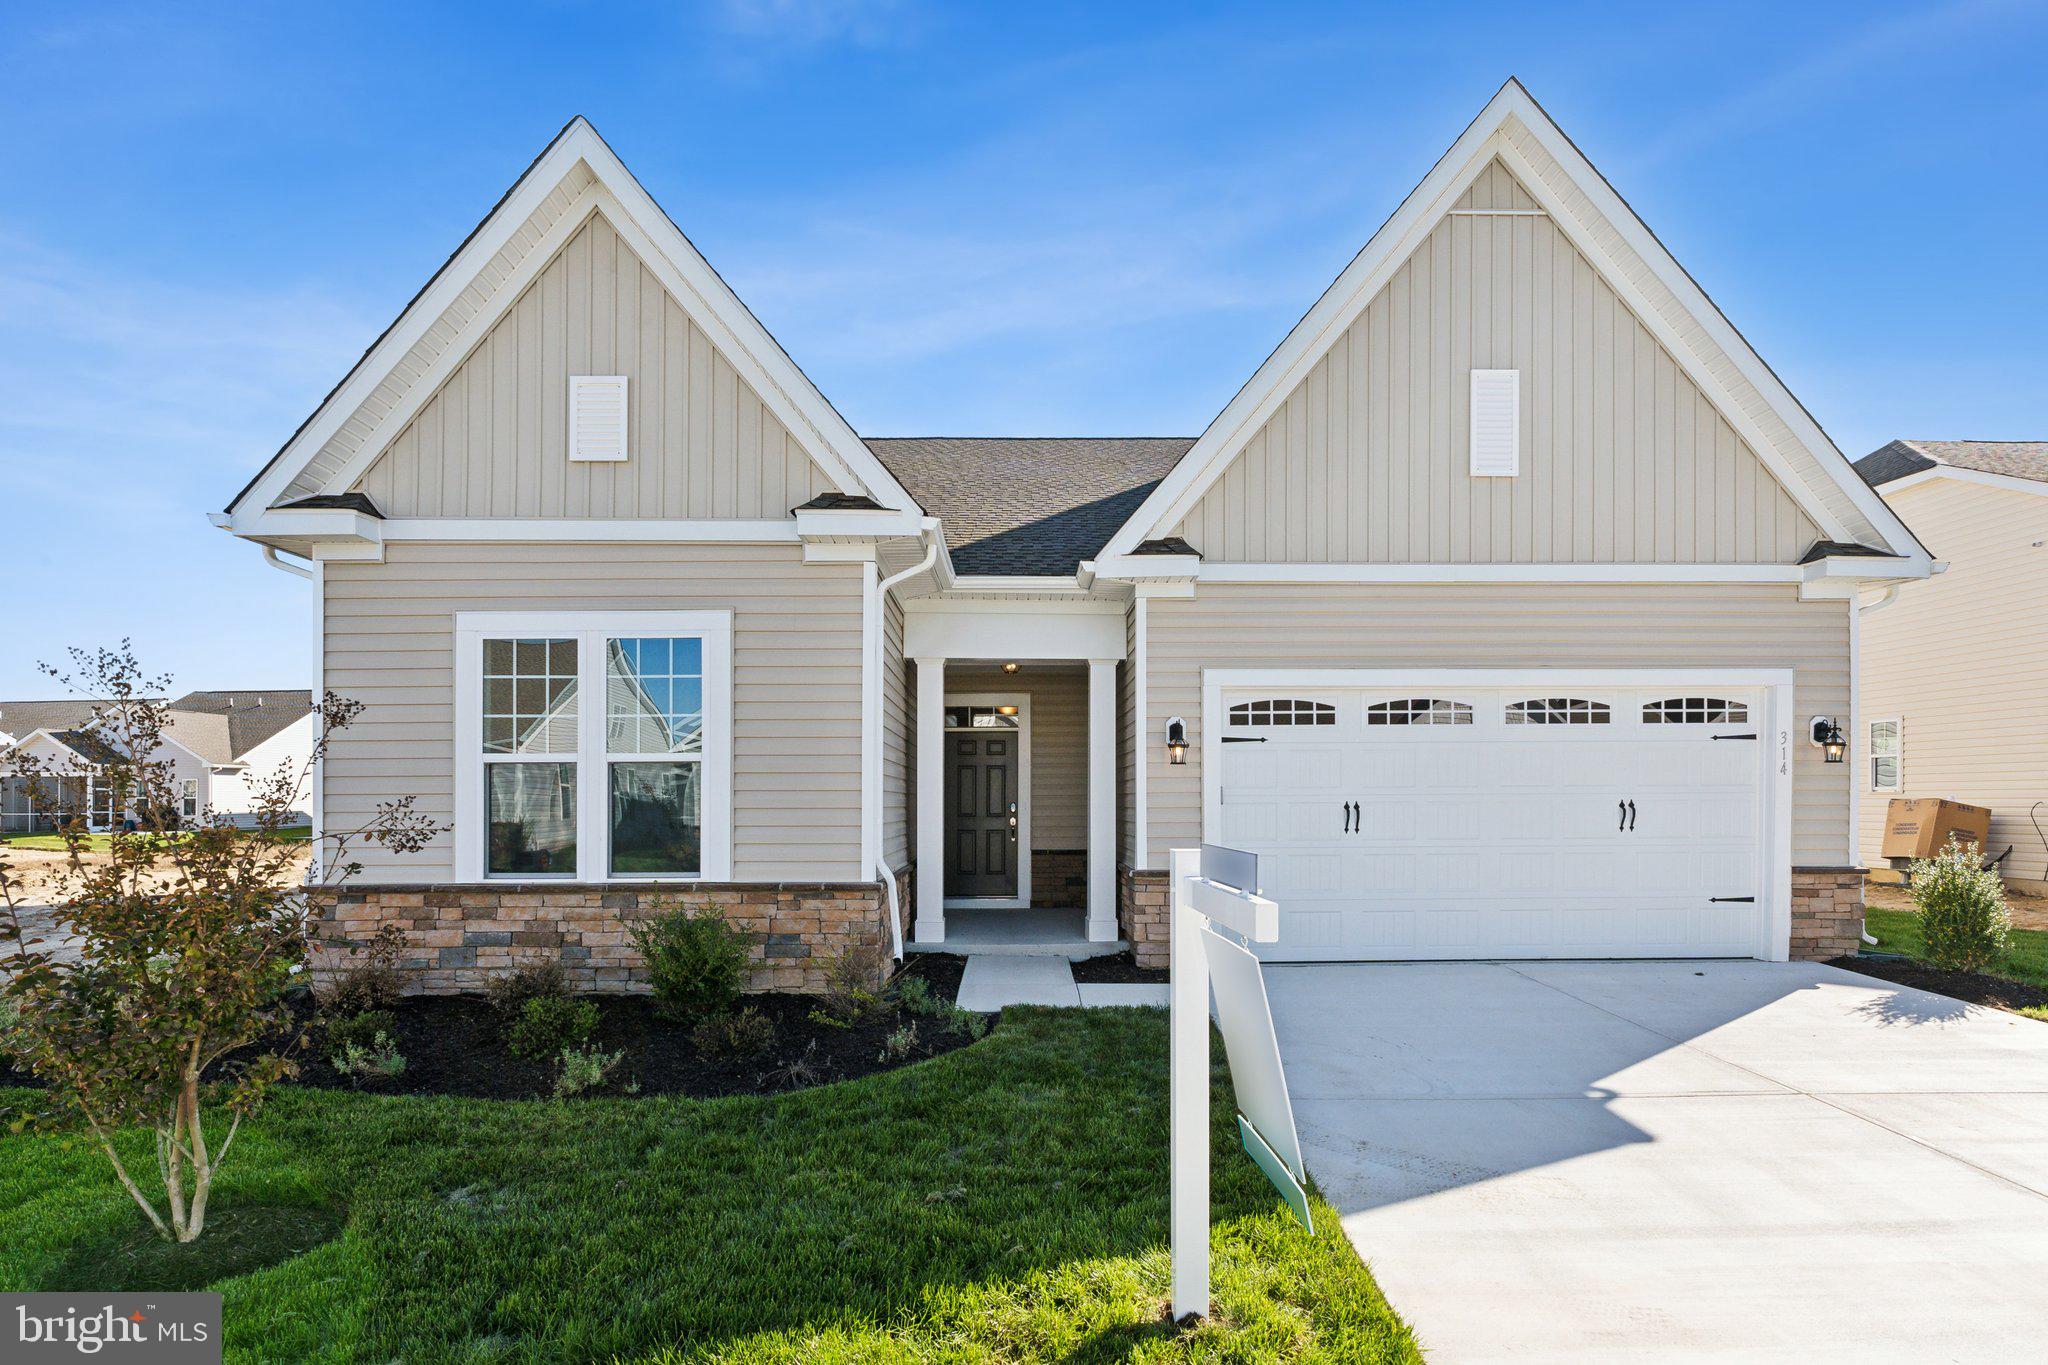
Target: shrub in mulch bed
(1974,987)
(1118,969)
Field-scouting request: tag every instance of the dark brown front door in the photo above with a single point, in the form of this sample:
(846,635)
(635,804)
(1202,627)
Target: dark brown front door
(981,813)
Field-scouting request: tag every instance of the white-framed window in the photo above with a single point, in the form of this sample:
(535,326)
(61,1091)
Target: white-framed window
(593,746)
(1887,754)
(188,799)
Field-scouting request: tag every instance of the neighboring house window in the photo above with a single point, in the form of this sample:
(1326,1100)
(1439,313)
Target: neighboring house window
(1558,711)
(1418,711)
(596,746)
(1695,711)
(1887,748)
(188,801)
(1283,711)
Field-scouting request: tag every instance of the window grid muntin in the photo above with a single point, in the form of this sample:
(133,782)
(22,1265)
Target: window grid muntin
(1269,711)
(1419,711)
(654,695)
(1559,711)
(959,717)
(1695,711)
(530,702)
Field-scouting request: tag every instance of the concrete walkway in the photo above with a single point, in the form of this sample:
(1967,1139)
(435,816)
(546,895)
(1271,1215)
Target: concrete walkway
(994,980)
(1678,1161)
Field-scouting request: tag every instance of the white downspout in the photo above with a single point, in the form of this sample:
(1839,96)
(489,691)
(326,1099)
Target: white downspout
(930,529)
(270,558)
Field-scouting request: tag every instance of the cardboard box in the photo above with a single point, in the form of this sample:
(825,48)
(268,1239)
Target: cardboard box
(1920,828)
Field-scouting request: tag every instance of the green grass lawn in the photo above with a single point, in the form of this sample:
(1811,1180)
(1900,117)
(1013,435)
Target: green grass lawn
(1006,1202)
(100,843)
(1898,931)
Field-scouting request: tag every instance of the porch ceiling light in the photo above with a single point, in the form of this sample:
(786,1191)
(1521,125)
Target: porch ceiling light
(1176,741)
(1010,667)
(1828,737)
(1006,710)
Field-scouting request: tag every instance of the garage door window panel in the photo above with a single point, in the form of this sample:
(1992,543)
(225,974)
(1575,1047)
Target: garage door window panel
(1269,711)
(1695,711)
(1559,711)
(1418,711)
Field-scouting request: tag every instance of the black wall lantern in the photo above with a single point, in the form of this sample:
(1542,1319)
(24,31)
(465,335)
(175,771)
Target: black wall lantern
(1176,741)
(1827,735)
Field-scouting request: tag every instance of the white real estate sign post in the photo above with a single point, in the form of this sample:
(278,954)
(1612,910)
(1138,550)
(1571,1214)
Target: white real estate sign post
(1203,895)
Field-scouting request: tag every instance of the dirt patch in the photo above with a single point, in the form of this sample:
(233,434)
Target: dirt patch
(41,870)
(1118,969)
(2028,912)
(1973,987)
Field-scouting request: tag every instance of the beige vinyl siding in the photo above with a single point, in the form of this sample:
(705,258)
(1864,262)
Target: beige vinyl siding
(796,650)
(1059,745)
(1623,459)
(1962,660)
(1127,743)
(1496,626)
(493,441)
(897,760)
(481,294)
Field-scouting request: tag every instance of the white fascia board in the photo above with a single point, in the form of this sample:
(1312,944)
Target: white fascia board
(2009,482)
(1148,568)
(308,524)
(1865,568)
(943,628)
(1361,281)
(852,524)
(755,354)
(1499,573)
(643,531)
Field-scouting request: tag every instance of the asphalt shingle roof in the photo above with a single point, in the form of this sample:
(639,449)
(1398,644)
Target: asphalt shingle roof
(1028,504)
(2015,459)
(223,726)
(23,718)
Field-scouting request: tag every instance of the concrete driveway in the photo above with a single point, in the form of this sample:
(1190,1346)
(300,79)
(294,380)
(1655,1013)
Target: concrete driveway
(1661,1160)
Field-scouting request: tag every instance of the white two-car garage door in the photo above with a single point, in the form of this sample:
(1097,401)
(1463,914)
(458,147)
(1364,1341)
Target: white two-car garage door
(1451,822)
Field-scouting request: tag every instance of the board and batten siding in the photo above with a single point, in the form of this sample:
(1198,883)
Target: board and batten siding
(796,651)
(1623,459)
(1962,660)
(1562,626)
(493,441)
(1059,745)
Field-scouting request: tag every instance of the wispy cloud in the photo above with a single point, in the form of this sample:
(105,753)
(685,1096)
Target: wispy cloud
(1825,72)
(819,23)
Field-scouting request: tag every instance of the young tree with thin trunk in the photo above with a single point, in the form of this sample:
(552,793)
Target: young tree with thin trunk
(173,1005)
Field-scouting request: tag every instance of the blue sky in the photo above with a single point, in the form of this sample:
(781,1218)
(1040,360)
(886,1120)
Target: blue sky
(960,219)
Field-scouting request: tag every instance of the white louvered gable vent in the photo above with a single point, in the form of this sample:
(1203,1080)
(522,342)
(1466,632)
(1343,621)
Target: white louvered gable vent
(1496,423)
(597,417)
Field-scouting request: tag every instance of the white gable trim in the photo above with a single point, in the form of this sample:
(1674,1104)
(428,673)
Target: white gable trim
(1485,138)
(682,270)
(2010,482)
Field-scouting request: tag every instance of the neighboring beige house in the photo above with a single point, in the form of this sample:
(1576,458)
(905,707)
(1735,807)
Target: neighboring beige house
(1493,612)
(222,747)
(1953,690)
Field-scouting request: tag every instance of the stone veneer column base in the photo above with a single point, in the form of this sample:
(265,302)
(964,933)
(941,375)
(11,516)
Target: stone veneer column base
(1827,912)
(1143,915)
(458,938)
(1059,878)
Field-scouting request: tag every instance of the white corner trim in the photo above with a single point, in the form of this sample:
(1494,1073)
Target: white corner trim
(593,832)
(2010,483)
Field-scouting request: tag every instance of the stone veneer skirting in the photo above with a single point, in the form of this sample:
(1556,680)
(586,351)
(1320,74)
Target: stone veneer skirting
(1059,878)
(457,938)
(1143,915)
(1827,913)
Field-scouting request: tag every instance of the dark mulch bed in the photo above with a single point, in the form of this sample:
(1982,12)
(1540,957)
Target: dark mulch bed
(455,1045)
(1118,969)
(1971,986)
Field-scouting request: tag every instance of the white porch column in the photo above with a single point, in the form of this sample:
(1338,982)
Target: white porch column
(930,890)
(1101,800)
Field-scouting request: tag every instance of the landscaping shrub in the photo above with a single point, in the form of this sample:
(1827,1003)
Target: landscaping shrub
(10,1016)
(361,1030)
(583,1068)
(696,964)
(376,1060)
(850,990)
(743,1033)
(550,1023)
(899,1044)
(372,981)
(508,994)
(1963,916)
(914,994)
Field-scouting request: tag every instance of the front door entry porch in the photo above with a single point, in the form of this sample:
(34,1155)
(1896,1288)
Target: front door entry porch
(982,814)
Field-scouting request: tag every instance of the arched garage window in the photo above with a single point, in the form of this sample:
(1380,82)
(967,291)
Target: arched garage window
(1418,711)
(1283,711)
(1695,711)
(1559,711)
